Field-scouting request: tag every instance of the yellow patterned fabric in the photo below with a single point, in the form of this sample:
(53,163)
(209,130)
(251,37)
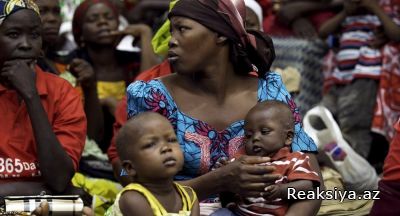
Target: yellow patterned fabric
(158,209)
(107,89)
(8,7)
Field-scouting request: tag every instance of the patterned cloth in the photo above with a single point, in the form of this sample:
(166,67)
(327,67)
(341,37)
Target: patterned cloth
(157,208)
(8,7)
(203,145)
(387,108)
(291,166)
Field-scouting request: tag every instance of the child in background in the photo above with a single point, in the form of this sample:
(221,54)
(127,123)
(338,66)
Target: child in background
(151,154)
(269,130)
(355,65)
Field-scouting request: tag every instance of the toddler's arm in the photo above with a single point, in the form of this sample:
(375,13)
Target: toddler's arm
(281,190)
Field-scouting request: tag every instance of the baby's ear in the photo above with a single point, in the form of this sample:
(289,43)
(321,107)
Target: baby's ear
(289,137)
(129,167)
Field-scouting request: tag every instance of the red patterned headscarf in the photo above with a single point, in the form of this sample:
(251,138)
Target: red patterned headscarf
(227,17)
(79,15)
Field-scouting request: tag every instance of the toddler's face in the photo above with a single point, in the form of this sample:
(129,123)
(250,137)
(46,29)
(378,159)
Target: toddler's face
(264,133)
(156,153)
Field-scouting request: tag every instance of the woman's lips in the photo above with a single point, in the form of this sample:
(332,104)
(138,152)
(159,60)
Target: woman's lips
(172,57)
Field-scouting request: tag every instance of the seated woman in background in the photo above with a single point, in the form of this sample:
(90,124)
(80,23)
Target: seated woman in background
(79,73)
(95,29)
(208,97)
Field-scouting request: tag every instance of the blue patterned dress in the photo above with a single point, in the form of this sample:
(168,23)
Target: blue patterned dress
(203,145)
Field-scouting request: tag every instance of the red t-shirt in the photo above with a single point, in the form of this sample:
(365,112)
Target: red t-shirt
(18,156)
(391,168)
(121,114)
(291,166)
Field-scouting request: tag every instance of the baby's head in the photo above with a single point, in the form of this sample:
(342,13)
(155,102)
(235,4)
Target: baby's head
(148,148)
(269,126)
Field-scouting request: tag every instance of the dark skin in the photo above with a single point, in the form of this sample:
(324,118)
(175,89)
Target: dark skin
(206,87)
(294,14)
(51,20)
(154,140)
(100,34)
(268,128)
(390,29)
(21,43)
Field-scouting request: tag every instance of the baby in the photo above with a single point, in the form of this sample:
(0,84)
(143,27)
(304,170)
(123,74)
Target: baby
(151,155)
(269,132)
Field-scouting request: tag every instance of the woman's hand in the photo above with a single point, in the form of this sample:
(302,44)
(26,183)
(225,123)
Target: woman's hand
(135,30)
(248,176)
(83,71)
(20,75)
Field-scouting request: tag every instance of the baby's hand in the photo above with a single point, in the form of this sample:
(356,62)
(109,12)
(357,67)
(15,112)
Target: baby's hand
(272,192)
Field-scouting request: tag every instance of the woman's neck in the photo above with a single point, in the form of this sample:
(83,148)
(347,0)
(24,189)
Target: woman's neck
(216,80)
(102,55)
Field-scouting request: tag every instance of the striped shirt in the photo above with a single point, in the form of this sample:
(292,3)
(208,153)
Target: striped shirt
(291,166)
(356,58)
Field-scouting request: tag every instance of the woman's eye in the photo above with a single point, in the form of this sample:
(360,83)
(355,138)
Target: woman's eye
(247,135)
(91,19)
(35,35)
(13,34)
(182,28)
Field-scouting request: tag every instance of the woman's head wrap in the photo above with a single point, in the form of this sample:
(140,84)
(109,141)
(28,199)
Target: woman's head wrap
(227,17)
(79,16)
(8,7)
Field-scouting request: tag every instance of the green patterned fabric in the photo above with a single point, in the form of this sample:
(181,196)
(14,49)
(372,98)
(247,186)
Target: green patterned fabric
(161,38)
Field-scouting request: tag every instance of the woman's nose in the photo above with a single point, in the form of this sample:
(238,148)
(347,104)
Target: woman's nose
(172,42)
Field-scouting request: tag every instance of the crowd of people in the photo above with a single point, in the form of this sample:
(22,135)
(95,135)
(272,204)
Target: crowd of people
(194,107)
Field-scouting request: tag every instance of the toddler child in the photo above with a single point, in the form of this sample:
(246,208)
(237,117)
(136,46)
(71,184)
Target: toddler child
(151,155)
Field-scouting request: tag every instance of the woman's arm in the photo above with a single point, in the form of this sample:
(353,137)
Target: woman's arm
(143,33)
(87,80)
(56,165)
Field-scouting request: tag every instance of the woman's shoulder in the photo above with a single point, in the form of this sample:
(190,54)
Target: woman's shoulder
(144,88)
(271,87)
